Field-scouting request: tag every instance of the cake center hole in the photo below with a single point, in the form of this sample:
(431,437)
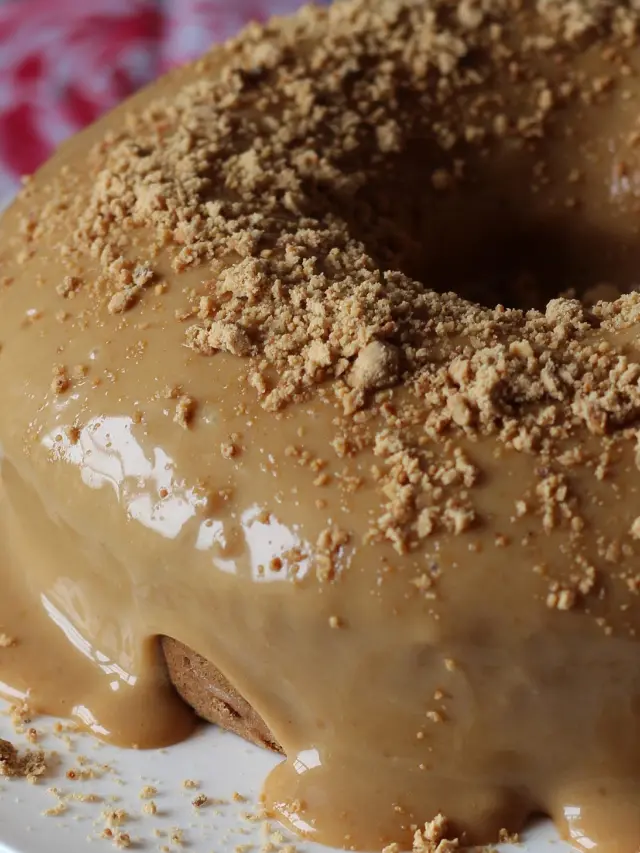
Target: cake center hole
(523,264)
(495,241)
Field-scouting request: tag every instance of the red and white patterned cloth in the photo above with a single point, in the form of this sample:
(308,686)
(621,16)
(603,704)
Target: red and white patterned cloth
(64,62)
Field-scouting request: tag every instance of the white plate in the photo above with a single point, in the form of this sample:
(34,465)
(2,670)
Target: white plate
(220,763)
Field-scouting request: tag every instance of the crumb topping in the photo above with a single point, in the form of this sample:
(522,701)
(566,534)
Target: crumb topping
(30,764)
(244,175)
(435,837)
(290,170)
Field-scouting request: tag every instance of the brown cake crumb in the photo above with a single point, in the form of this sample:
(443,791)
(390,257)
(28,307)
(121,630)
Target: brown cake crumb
(422,582)
(185,411)
(6,641)
(506,837)
(123,300)
(218,336)
(132,283)
(30,765)
(148,792)
(376,366)
(434,837)
(68,286)
(60,382)
(114,817)
(229,449)
(561,598)
(56,811)
(20,714)
(435,716)
(176,836)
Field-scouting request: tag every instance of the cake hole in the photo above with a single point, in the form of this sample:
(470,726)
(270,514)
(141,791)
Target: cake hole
(492,237)
(523,264)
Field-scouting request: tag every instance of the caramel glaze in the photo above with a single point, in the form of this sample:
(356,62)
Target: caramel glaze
(479,701)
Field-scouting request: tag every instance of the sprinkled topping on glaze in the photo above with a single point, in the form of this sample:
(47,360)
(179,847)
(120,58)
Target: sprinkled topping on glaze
(264,201)
(435,837)
(277,179)
(376,366)
(289,281)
